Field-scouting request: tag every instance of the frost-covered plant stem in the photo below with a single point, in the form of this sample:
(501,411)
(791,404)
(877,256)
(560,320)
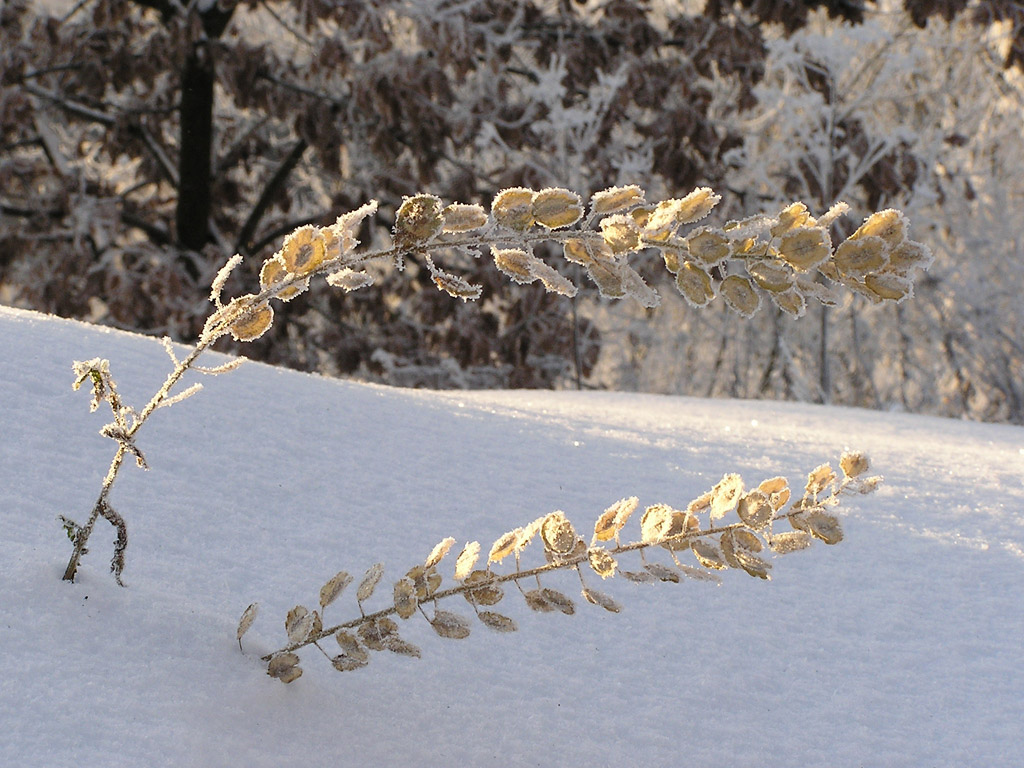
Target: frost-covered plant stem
(780,257)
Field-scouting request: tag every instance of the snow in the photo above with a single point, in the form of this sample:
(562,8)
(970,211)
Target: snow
(899,647)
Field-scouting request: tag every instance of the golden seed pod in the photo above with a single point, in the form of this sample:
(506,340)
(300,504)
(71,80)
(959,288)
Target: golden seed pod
(708,246)
(888,225)
(820,478)
(484,589)
(725,495)
(755,509)
(616,199)
(303,250)
(823,526)
(418,220)
(513,208)
(771,275)
(805,248)
(254,324)
(861,256)
(614,518)
(642,214)
(790,218)
(854,463)
(514,263)
(466,560)
(602,562)
(828,269)
(707,554)
(460,217)
(619,232)
(655,522)
(273,272)
(909,255)
(669,215)
(557,533)
(773,485)
(695,285)
(555,208)
(791,302)
(456,286)
(437,553)
(671,257)
(740,295)
(608,277)
(504,546)
(892,287)
(790,541)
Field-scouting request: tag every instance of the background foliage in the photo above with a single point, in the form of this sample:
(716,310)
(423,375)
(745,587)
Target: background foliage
(142,143)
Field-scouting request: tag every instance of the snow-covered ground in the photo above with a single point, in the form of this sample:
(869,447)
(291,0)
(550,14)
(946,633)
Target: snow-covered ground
(899,647)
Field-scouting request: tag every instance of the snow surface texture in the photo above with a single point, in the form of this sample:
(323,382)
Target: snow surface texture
(899,647)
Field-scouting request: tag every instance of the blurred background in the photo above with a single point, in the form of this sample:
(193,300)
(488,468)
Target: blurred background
(143,142)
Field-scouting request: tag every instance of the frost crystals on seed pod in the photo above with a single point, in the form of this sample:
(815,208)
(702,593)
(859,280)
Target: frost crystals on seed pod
(484,590)
(790,541)
(795,215)
(602,562)
(369,583)
(662,572)
(303,250)
(557,533)
(695,285)
(558,601)
(438,552)
(805,248)
(284,667)
(375,634)
(253,323)
(616,199)
(340,238)
(418,220)
(330,591)
(614,518)
(725,495)
(273,272)
(819,479)
(740,295)
(513,208)
(555,208)
(504,546)
(755,510)
(450,625)
(888,225)
(853,464)
(460,217)
(299,623)
(823,526)
(349,279)
(466,560)
(707,554)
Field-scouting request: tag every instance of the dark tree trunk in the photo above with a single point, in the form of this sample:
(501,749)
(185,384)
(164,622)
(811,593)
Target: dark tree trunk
(196,143)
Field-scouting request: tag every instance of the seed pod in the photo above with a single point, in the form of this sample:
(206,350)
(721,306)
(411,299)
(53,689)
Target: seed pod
(466,560)
(497,621)
(891,287)
(740,295)
(620,233)
(614,518)
(273,272)
(707,554)
(755,510)
(909,255)
(459,217)
(601,599)
(330,591)
(284,667)
(790,541)
(602,562)
(405,598)
(824,527)
(792,302)
(616,199)
(558,601)
(298,624)
(695,285)
(253,325)
(418,220)
(349,279)
(557,533)
(790,218)
(248,617)
(438,552)
(662,572)
(771,275)
(513,208)
(888,225)
(669,215)
(819,479)
(861,256)
(484,589)
(369,583)
(555,208)
(725,495)
(303,250)
(805,248)
(708,247)
(450,625)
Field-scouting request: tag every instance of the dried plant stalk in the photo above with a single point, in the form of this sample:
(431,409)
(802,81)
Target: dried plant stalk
(716,545)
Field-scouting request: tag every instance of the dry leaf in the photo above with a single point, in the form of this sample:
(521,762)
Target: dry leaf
(497,621)
(248,617)
(369,583)
(330,591)
(450,625)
